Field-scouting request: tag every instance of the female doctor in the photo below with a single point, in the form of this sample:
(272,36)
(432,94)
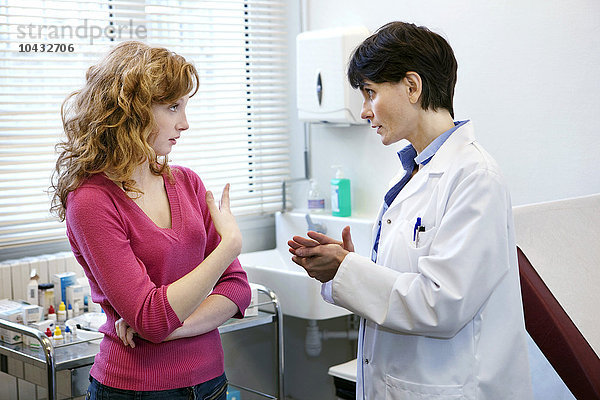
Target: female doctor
(440,298)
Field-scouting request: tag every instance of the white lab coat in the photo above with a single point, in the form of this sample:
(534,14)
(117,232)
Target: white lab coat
(444,319)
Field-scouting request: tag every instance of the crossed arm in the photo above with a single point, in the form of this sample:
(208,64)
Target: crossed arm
(212,313)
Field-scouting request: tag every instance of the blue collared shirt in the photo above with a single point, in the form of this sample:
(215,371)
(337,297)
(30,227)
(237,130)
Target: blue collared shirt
(409,159)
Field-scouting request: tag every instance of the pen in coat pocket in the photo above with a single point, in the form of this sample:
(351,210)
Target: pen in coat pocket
(417,229)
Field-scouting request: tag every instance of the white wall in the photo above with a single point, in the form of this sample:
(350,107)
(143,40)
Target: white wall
(528,79)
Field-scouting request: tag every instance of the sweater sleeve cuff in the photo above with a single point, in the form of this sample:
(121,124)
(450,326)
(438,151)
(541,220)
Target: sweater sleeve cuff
(238,292)
(172,318)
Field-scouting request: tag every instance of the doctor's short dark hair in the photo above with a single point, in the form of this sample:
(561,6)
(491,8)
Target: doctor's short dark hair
(399,47)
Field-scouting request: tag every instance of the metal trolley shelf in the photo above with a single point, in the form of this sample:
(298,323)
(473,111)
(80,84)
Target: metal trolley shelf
(75,358)
(264,317)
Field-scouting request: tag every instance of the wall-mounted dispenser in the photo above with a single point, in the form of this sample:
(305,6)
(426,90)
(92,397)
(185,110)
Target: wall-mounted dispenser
(324,94)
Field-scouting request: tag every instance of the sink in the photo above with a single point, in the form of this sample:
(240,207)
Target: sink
(299,294)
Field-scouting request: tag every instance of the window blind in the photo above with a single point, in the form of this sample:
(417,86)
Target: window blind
(238,130)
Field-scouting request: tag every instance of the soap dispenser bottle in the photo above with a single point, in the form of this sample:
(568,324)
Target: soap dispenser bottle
(340,194)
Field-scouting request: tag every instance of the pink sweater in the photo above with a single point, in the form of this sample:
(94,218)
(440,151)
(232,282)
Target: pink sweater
(129,262)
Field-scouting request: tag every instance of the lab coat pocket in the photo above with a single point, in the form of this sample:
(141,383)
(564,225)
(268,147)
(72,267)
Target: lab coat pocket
(420,247)
(397,389)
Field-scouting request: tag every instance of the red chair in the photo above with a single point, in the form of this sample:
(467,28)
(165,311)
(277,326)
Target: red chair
(557,336)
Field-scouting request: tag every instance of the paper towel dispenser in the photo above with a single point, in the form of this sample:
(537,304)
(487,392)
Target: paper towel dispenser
(324,94)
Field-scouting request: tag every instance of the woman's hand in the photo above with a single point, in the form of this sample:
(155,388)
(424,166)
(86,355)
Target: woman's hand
(125,332)
(224,220)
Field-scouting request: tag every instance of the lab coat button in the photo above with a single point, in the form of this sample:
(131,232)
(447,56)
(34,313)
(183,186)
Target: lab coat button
(389,221)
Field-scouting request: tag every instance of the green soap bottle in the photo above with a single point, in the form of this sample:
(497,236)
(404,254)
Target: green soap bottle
(340,195)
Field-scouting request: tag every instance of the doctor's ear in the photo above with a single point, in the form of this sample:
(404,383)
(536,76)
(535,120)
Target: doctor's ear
(414,84)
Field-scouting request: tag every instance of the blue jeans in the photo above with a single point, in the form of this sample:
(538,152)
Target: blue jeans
(215,389)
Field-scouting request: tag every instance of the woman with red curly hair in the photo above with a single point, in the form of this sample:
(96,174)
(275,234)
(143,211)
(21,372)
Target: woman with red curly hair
(159,253)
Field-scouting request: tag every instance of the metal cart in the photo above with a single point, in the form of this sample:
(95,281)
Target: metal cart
(72,361)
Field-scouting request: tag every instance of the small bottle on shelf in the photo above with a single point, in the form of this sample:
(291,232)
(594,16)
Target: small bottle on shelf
(52,313)
(61,314)
(58,337)
(316,201)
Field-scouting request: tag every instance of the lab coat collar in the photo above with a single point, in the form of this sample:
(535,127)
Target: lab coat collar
(463,136)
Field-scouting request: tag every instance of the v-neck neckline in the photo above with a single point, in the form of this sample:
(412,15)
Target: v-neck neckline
(172,198)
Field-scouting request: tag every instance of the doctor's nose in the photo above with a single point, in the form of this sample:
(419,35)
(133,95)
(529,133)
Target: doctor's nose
(366,113)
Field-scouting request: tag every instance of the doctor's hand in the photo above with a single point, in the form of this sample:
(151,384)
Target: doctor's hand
(319,238)
(125,332)
(319,254)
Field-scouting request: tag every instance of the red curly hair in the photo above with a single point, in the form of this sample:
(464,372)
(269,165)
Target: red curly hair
(109,122)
